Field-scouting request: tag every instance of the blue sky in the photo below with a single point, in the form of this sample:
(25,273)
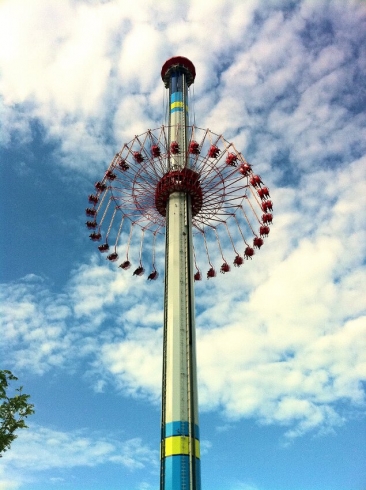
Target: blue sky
(281,341)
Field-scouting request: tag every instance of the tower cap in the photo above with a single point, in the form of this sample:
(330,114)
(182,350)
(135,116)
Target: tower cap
(182,62)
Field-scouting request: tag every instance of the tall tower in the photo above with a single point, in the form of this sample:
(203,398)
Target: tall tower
(171,179)
(180,446)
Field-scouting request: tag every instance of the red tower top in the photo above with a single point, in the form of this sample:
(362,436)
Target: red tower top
(182,62)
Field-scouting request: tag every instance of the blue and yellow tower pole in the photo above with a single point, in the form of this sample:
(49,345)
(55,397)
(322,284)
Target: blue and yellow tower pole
(180,442)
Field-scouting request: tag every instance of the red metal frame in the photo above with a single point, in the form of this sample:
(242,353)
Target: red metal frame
(224,190)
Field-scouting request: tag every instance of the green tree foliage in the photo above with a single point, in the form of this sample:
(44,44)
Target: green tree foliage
(13,410)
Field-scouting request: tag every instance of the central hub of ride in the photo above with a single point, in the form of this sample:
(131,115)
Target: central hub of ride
(184,180)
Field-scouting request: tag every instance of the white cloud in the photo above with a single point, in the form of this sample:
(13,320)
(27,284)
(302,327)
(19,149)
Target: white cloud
(68,43)
(205,446)
(295,348)
(35,324)
(285,93)
(244,486)
(144,486)
(136,362)
(134,57)
(90,65)
(9,485)
(40,449)
(286,345)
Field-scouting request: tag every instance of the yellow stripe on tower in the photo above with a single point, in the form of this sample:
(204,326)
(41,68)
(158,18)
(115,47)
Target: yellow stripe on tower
(177,105)
(198,448)
(180,445)
(174,105)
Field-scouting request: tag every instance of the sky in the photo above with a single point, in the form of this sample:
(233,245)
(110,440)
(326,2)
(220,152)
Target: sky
(282,340)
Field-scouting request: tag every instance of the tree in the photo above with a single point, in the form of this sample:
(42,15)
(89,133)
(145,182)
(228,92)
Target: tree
(13,410)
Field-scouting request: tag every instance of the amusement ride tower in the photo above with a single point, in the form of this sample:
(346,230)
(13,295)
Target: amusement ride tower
(180,447)
(193,184)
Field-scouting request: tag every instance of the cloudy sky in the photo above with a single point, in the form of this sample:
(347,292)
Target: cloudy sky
(281,340)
